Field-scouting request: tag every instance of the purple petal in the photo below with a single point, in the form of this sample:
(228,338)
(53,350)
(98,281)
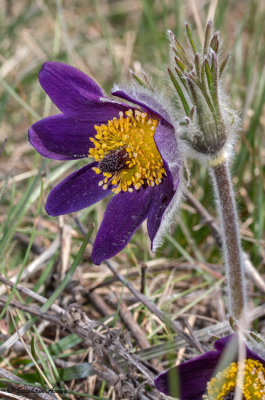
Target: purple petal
(144,99)
(77,95)
(124,213)
(77,191)
(62,138)
(222,344)
(192,377)
(253,356)
(163,194)
(166,142)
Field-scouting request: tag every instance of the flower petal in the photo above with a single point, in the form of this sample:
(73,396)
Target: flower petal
(166,142)
(145,99)
(77,191)
(222,345)
(62,138)
(124,214)
(77,95)
(163,194)
(192,377)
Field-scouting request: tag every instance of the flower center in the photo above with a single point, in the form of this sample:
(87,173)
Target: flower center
(248,376)
(126,152)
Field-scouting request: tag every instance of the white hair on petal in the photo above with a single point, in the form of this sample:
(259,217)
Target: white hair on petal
(167,220)
(152,98)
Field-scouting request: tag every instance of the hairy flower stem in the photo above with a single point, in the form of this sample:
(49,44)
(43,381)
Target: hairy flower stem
(231,241)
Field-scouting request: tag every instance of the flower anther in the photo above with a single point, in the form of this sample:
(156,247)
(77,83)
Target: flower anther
(224,384)
(126,152)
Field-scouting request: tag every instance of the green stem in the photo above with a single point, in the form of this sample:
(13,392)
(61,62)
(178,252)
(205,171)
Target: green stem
(231,240)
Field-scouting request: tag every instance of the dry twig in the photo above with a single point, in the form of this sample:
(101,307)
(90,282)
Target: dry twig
(152,307)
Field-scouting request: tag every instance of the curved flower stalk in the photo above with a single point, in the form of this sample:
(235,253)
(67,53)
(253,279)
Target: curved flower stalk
(209,128)
(217,375)
(135,152)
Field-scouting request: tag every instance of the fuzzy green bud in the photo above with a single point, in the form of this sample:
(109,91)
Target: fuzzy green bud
(196,77)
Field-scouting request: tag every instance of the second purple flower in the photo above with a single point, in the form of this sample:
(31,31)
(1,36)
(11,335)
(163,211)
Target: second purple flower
(135,151)
(215,375)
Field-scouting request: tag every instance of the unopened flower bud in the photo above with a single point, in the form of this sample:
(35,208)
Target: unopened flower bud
(196,78)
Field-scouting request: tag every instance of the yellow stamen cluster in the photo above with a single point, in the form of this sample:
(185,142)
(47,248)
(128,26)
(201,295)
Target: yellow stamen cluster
(248,376)
(133,134)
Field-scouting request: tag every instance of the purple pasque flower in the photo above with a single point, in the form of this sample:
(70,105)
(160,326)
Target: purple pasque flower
(213,375)
(135,151)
